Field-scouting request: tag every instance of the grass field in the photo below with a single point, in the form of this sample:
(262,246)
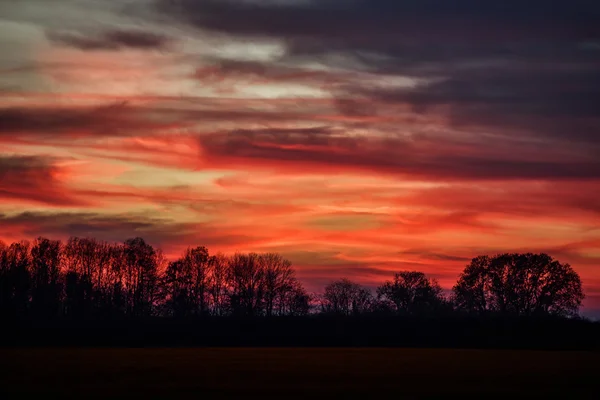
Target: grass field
(296,373)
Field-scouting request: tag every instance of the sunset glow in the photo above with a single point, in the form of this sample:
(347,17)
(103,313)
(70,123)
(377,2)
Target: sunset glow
(354,144)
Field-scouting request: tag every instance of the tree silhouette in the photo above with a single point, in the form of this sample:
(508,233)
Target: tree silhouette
(278,281)
(412,293)
(345,297)
(519,284)
(295,301)
(244,284)
(176,286)
(141,277)
(16,279)
(219,265)
(79,257)
(45,274)
(196,261)
(85,278)
(247,278)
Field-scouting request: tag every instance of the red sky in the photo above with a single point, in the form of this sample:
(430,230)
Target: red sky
(355,138)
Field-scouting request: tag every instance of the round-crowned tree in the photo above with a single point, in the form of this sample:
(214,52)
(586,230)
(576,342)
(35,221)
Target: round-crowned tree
(519,284)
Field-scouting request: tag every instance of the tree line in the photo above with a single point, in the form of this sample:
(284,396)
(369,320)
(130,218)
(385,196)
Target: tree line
(84,278)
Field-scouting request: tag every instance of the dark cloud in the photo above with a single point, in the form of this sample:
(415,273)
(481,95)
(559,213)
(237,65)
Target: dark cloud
(351,270)
(418,156)
(34,179)
(546,102)
(80,121)
(429,255)
(408,33)
(111,40)
(359,23)
(156,230)
(128,119)
(530,67)
(317,136)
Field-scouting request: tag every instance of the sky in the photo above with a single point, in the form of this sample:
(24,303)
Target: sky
(357,138)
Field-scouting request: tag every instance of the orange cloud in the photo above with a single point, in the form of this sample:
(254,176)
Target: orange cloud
(353,155)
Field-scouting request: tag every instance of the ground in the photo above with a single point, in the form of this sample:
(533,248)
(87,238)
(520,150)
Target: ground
(296,373)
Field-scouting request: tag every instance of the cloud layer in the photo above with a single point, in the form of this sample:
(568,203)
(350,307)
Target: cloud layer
(356,137)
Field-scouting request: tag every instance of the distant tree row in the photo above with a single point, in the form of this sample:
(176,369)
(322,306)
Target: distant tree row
(506,284)
(87,278)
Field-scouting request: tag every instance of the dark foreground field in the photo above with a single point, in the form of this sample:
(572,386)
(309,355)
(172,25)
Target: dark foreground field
(296,373)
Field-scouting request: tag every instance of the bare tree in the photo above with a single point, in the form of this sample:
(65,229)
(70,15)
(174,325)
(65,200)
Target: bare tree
(177,288)
(297,301)
(218,287)
(346,298)
(16,279)
(45,274)
(278,279)
(80,260)
(293,299)
(246,278)
(186,283)
(141,276)
(116,280)
(197,260)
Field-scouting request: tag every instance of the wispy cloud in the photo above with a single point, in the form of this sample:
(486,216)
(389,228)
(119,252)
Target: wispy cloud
(356,137)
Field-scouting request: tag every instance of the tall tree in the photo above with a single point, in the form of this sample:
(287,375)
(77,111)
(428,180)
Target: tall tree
(177,289)
(187,282)
(519,284)
(19,278)
(246,278)
(218,288)
(141,272)
(5,281)
(104,278)
(16,279)
(46,290)
(278,279)
(80,261)
(197,261)
(412,293)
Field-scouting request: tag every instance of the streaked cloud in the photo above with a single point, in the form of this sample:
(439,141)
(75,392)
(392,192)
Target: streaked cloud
(357,138)
(110,40)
